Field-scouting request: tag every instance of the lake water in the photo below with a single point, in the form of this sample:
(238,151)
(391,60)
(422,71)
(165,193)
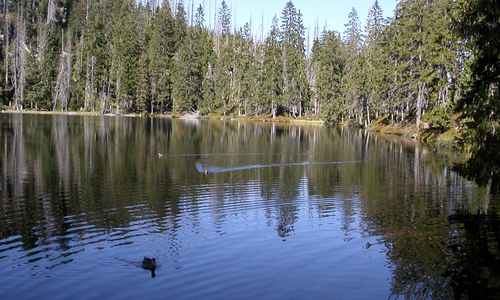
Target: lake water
(285,212)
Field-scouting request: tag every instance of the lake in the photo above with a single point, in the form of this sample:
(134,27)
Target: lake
(286,211)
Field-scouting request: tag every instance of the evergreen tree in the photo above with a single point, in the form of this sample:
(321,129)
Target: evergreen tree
(127,43)
(191,64)
(295,85)
(223,68)
(273,70)
(225,18)
(375,62)
(476,22)
(161,50)
(423,53)
(352,83)
(329,63)
(245,71)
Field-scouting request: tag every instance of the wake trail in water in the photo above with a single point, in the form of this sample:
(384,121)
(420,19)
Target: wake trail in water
(201,169)
(212,154)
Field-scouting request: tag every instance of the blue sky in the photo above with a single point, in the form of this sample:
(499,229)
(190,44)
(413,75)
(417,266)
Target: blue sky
(333,13)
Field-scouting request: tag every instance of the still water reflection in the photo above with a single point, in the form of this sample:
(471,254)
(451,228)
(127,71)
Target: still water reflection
(285,212)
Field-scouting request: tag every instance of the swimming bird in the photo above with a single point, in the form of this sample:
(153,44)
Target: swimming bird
(206,172)
(161,155)
(149,264)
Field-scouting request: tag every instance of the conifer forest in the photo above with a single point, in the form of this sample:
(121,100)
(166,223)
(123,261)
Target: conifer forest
(431,59)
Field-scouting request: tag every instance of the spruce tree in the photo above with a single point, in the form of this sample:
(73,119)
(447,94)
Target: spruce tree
(273,70)
(352,81)
(328,62)
(295,84)
(423,55)
(476,23)
(376,64)
(191,64)
(161,49)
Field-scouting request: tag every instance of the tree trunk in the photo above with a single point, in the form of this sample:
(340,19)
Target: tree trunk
(64,77)
(420,102)
(19,65)
(6,38)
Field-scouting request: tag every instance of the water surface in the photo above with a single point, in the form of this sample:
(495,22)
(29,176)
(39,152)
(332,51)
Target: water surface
(285,212)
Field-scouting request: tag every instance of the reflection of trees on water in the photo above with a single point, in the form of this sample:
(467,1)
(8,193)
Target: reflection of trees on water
(430,257)
(475,271)
(67,176)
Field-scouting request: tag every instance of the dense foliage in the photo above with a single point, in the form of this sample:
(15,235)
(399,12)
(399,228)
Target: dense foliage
(477,24)
(156,57)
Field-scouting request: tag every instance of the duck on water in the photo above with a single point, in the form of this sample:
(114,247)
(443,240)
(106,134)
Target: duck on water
(149,264)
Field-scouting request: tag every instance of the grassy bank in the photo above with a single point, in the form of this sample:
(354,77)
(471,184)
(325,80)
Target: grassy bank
(437,137)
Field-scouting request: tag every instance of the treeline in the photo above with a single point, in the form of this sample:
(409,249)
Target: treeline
(128,56)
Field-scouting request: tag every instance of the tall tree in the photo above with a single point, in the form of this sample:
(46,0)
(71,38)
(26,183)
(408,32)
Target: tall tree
(422,54)
(62,88)
(6,41)
(161,51)
(328,63)
(225,18)
(19,59)
(476,22)
(295,85)
(352,82)
(375,61)
(191,64)
(273,70)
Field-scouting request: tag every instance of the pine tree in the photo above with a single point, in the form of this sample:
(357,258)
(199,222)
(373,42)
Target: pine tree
(272,64)
(476,23)
(161,50)
(295,85)
(225,18)
(127,43)
(95,51)
(352,83)
(244,69)
(375,62)
(191,64)
(423,52)
(223,68)
(329,63)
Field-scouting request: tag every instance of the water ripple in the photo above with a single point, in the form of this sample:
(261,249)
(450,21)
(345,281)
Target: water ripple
(212,169)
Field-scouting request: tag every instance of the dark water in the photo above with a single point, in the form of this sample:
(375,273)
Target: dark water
(286,212)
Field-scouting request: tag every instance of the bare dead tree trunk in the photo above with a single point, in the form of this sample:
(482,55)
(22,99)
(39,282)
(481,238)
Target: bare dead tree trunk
(79,58)
(19,64)
(6,28)
(92,102)
(51,11)
(118,87)
(88,91)
(89,84)
(64,76)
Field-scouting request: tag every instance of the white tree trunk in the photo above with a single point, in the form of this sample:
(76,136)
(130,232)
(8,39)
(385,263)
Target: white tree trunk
(19,64)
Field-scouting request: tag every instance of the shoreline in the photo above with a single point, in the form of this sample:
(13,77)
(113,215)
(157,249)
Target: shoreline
(438,137)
